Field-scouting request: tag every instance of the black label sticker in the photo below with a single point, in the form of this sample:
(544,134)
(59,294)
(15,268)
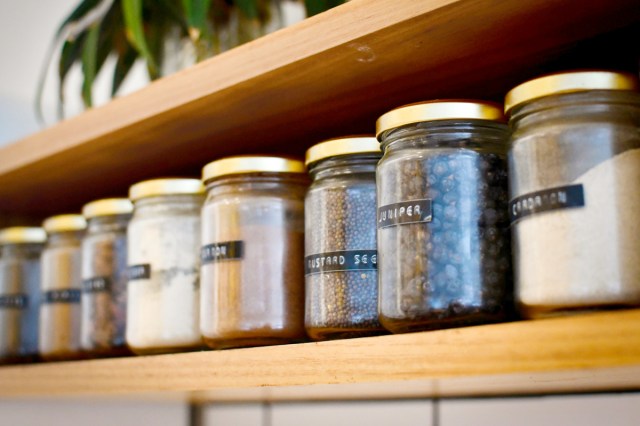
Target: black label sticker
(348,260)
(222,251)
(13,301)
(67,295)
(96,284)
(563,197)
(139,272)
(415,211)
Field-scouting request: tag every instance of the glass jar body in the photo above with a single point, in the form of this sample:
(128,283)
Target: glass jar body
(252,261)
(20,298)
(575,168)
(341,297)
(443,231)
(163,293)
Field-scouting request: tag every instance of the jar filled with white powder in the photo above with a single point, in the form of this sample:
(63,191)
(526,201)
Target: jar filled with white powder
(163,292)
(574,187)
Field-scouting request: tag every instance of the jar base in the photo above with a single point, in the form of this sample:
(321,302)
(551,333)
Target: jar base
(429,323)
(63,356)
(246,342)
(118,351)
(551,311)
(161,350)
(20,359)
(335,333)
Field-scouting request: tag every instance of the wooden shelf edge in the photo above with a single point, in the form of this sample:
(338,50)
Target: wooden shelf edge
(599,351)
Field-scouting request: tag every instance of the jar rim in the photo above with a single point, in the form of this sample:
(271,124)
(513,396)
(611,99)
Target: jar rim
(64,223)
(165,186)
(362,144)
(247,164)
(23,235)
(107,207)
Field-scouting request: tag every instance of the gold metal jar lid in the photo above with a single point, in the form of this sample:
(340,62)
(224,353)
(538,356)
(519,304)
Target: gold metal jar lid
(342,146)
(107,207)
(438,110)
(166,186)
(22,235)
(567,82)
(251,164)
(65,223)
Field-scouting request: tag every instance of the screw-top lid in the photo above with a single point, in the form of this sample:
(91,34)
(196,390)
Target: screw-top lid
(22,235)
(438,110)
(107,207)
(342,146)
(64,223)
(166,186)
(567,82)
(251,164)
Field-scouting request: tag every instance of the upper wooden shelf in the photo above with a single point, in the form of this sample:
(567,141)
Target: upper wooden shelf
(327,76)
(584,353)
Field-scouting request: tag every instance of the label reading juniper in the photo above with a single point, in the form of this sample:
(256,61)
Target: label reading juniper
(415,211)
(562,197)
(96,284)
(222,251)
(139,272)
(67,295)
(349,260)
(15,301)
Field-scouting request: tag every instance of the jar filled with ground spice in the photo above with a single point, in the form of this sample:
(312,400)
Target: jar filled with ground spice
(104,277)
(61,287)
(443,228)
(340,239)
(253,252)
(163,294)
(575,192)
(20,249)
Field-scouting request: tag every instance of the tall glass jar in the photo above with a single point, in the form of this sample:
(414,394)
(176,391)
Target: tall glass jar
(443,228)
(104,277)
(61,287)
(575,191)
(253,252)
(20,249)
(163,307)
(340,239)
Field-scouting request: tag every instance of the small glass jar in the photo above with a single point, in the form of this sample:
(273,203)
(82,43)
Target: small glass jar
(575,176)
(61,283)
(20,249)
(163,294)
(104,277)
(443,228)
(341,273)
(253,252)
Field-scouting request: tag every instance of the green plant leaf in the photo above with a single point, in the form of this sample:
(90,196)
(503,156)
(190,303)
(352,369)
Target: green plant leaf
(123,66)
(89,64)
(172,11)
(196,12)
(314,7)
(249,8)
(132,11)
(78,13)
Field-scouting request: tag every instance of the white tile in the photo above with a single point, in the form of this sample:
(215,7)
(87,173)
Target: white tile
(582,410)
(369,413)
(232,415)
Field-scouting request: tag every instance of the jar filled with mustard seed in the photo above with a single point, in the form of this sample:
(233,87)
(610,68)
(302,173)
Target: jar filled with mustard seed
(163,293)
(253,252)
(20,250)
(340,239)
(61,282)
(575,192)
(443,229)
(104,277)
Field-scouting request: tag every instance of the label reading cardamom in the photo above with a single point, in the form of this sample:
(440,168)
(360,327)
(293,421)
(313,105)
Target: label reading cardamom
(13,301)
(96,285)
(227,250)
(347,260)
(67,295)
(139,272)
(562,197)
(415,211)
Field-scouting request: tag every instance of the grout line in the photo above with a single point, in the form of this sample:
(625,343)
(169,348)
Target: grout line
(435,412)
(266,414)
(195,414)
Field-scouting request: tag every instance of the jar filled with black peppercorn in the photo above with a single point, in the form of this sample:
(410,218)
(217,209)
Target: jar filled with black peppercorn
(443,227)
(340,239)
(104,278)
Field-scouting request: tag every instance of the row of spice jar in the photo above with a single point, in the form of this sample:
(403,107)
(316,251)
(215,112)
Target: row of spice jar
(418,239)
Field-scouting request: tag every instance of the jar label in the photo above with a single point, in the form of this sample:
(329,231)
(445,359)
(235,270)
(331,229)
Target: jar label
(96,284)
(222,251)
(67,295)
(13,301)
(415,211)
(335,261)
(562,197)
(139,272)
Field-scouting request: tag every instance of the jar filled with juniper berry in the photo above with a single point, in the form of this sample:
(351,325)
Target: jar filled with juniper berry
(340,239)
(443,227)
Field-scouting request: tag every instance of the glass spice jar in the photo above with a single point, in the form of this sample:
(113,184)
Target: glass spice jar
(443,228)
(575,172)
(20,250)
(253,252)
(61,287)
(104,277)
(340,239)
(163,294)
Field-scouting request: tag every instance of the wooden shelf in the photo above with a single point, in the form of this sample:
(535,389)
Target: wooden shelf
(575,354)
(330,75)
